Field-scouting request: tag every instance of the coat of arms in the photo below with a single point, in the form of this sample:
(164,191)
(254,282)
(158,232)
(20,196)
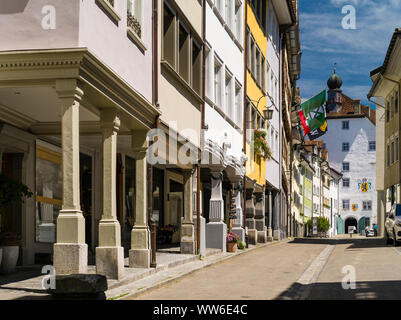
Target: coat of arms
(364,185)
(355,207)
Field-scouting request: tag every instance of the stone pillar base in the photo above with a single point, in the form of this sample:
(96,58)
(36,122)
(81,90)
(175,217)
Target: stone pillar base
(252,236)
(251,223)
(216,235)
(188,244)
(70,258)
(140,253)
(110,262)
(240,232)
(262,236)
(260,224)
(276,235)
(202,249)
(139,258)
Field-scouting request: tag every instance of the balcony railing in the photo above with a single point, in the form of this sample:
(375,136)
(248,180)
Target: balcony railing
(134,24)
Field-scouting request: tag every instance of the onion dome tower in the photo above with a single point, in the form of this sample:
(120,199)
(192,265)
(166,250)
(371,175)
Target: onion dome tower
(334,94)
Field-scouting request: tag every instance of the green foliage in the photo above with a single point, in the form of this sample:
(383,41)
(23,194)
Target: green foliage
(241,245)
(12,192)
(323,224)
(260,144)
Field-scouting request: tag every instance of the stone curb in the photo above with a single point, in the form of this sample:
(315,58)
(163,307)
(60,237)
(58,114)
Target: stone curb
(215,260)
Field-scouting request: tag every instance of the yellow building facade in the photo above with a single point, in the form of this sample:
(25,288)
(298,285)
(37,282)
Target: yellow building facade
(256,84)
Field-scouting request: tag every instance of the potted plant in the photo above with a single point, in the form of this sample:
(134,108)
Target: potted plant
(10,192)
(232,242)
(260,144)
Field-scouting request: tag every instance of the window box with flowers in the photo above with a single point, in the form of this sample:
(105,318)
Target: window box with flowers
(232,242)
(260,144)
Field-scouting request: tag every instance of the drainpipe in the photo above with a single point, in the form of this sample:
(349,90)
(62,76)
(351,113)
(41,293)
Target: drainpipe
(203,124)
(245,104)
(203,127)
(152,223)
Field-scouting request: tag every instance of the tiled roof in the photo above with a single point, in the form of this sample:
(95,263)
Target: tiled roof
(348,110)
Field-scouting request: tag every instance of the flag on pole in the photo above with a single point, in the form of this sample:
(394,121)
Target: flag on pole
(317,133)
(314,105)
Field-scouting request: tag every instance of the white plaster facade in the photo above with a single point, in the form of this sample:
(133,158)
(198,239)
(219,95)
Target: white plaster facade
(225,77)
(273,62)
(362,164)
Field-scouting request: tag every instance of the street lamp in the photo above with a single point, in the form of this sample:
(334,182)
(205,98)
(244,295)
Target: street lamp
(268,113)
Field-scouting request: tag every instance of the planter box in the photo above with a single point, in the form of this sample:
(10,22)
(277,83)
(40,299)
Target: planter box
(232,247)
(10,258)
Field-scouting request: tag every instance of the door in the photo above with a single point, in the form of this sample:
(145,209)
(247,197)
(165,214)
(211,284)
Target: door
(174,203)
(361,224)
(176,209)
(340,226)
(11,219)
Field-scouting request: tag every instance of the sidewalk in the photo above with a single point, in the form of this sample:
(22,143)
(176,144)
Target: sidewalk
(26,283)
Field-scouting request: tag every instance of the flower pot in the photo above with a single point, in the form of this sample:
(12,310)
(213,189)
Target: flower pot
(232,247)
(10,258)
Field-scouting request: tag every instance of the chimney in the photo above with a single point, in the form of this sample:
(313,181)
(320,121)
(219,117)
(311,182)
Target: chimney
(357,109)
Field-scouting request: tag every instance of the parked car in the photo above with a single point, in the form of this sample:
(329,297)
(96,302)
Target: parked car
(392,225)
(371,233)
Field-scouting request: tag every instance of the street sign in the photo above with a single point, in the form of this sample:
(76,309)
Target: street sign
(314,221)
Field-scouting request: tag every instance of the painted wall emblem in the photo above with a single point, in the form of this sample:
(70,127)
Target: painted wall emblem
(364,185)
(355,207)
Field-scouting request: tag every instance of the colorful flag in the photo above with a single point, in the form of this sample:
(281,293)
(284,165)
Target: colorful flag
(314,105)
(317,133)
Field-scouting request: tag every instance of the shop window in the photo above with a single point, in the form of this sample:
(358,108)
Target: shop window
(130,190)
(49,186)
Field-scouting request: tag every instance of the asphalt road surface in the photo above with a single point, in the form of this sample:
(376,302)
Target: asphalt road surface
(303,269)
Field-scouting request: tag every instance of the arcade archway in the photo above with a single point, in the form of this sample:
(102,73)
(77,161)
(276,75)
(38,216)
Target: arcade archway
(351,221)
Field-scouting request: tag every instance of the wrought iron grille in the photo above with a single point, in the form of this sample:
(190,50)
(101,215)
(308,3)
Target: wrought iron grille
(134,23)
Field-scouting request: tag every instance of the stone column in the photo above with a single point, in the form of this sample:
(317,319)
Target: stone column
(110,253)
(270,208)
(237,225)
(250,216)
(216,229)
(70,250)
(276,223)
(188,242)
(139,255)
(260,217)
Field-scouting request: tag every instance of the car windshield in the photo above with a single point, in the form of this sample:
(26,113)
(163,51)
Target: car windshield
(398,210)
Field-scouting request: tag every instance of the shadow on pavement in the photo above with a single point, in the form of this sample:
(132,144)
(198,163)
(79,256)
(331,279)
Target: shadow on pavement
(365,290)
(12,7)
(21,274)
(354,243)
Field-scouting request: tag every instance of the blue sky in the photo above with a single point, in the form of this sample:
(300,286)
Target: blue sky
(356,52)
